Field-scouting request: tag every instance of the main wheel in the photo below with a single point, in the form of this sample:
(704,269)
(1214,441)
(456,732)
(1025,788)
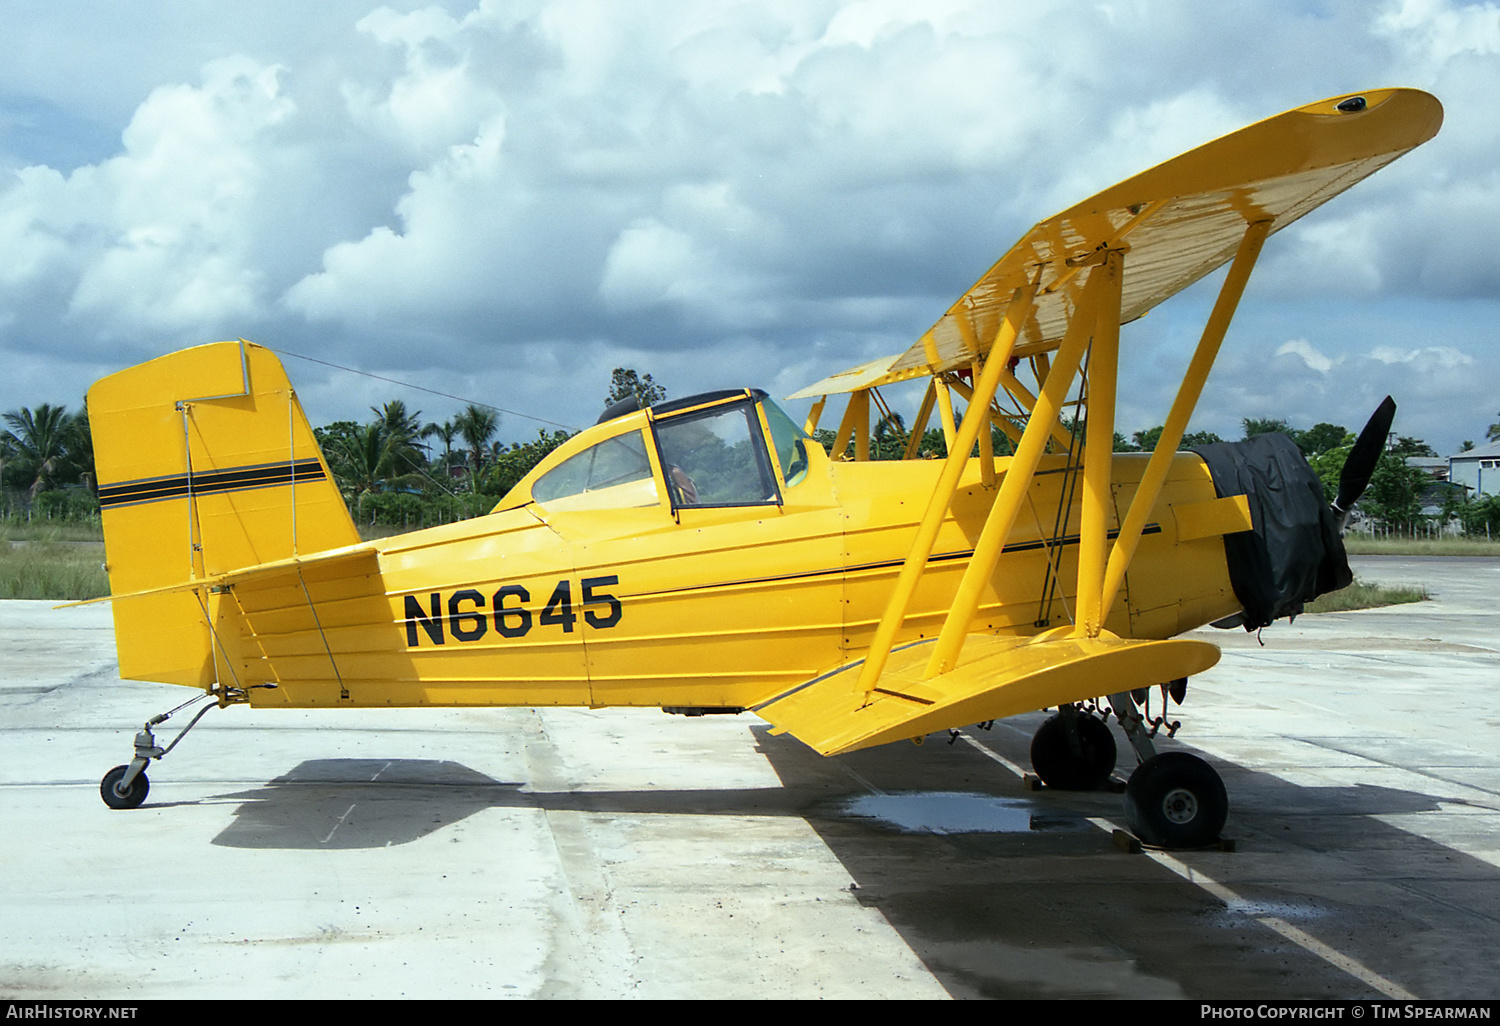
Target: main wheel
(1176,800)
(130,798)
(1062,766)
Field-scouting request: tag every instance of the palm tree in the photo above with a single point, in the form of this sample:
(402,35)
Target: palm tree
(79,440)
(7,452)
(368,458)
(476,425)
(447,431)
(1493,434)
(404,430)
(39,440)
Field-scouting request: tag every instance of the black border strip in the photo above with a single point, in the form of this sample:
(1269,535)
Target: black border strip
(232,479)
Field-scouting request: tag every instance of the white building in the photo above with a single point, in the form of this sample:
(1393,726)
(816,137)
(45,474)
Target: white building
(1478,470)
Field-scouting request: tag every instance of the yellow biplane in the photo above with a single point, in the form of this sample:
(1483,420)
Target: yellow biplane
(705,555)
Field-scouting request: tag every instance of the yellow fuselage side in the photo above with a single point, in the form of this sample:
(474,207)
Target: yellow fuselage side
(695,607)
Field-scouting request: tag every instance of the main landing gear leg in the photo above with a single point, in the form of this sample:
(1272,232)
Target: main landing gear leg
(1173,799)
(125,787)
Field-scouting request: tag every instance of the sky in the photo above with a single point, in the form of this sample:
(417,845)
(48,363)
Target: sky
(502,200)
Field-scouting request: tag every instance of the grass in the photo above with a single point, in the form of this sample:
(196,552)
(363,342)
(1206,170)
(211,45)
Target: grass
(1365,545)
(58,570)
(49,531)
(1360,595)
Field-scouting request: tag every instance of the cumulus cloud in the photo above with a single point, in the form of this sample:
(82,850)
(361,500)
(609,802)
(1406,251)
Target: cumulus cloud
(490,196)
(1310,356)
(157,239)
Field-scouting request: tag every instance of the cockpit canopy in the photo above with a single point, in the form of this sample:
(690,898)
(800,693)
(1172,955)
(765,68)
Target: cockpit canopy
(717,449)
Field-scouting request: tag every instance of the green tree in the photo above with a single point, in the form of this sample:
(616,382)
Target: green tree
(1145,441)
(369,459)
(79,442)
(7,453)
(39,442)
(1412,447)
(1322,437)
(1479,516)
(476,425)
(447,431)
(1262,426)
(1328,466)
(1493,432)
(1394,496)
(515,462)
(625,383)
(404,432)
(888,440)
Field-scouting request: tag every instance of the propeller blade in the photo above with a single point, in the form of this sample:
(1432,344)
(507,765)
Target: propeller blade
(1363,457)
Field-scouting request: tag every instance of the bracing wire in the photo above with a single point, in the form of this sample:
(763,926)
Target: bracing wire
(420,388)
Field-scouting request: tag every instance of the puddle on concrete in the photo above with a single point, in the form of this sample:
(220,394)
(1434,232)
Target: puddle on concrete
(959,812)
(1275,909)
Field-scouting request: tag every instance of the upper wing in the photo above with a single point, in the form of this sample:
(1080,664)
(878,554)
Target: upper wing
(1179,221)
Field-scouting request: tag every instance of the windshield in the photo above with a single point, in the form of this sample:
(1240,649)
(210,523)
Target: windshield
(716,458)
(790,442)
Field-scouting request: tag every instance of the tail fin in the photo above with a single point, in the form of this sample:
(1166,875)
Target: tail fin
(206,464)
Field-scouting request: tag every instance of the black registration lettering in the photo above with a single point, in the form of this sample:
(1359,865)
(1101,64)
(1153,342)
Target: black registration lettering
(515,621)
(432,624)
(470,625)
(593,598)
(559,608)
(469,620)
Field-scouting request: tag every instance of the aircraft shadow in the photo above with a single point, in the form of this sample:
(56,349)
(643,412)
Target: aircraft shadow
(1003,892)
(1042,910)
(376,803)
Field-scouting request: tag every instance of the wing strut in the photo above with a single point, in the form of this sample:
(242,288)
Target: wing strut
(1099,446)
(919,426)
(975,416)
(1182,408)
(1002,516)
(1093,329)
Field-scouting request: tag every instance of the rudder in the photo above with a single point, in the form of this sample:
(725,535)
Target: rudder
(206,464)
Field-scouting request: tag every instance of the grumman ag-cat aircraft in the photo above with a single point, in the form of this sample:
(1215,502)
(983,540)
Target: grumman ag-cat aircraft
(706,555)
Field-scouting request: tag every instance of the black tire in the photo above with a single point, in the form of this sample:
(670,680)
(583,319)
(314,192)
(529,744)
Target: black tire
(130,799)
(1176,800)
(1059,766)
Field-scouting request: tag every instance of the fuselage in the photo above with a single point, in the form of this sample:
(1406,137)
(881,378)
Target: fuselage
(675,583)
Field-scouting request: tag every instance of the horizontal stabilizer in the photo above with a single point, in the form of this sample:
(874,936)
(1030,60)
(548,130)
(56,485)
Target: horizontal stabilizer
(362,556)
(998,677)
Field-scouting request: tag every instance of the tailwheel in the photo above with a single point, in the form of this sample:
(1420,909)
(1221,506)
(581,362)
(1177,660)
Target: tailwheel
(1073,751)
(118,795)
(1176,800)
(125,787)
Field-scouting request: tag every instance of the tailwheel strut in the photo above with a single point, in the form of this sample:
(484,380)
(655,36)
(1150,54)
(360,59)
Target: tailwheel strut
(126,787)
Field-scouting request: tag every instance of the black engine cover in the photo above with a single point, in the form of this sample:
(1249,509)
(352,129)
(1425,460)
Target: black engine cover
(1295,553)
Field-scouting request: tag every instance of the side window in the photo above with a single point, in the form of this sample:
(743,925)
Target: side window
(716,458)
(614,473)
